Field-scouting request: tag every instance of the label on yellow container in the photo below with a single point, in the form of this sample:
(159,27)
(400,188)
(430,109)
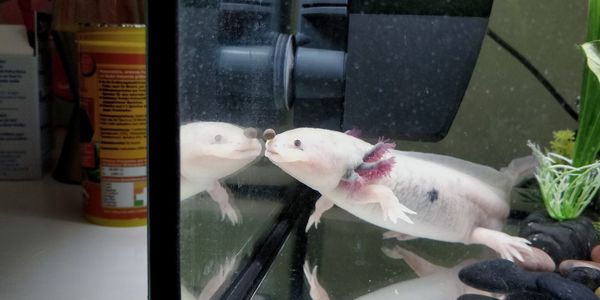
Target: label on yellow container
(112,83)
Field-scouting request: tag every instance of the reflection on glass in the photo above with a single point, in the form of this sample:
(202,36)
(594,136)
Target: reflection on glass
(222,274)
(211,151)
(433,281)
(316,290)
(225,271)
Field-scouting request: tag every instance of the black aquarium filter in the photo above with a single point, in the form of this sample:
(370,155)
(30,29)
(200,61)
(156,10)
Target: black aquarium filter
(391,68)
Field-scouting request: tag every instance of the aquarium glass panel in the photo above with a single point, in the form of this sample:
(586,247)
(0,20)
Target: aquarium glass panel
(354,149)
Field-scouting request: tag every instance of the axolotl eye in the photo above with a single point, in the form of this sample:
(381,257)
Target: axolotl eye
(297,143)
(218,138)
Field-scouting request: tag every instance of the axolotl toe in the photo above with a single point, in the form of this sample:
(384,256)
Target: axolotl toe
(210,151)
(417,194)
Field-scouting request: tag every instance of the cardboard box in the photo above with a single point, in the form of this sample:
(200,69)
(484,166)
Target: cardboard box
(24,128)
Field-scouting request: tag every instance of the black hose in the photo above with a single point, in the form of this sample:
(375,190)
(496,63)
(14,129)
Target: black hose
(536,73)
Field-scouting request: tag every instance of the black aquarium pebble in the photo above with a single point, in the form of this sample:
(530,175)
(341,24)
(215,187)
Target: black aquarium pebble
(572,239)
(587,276)
(505,277)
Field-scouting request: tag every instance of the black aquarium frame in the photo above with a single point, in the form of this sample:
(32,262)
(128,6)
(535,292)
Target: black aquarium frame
(163,151)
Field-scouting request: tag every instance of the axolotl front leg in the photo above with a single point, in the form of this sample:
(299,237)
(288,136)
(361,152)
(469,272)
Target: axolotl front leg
(390,205)
(323,204)
(220,195)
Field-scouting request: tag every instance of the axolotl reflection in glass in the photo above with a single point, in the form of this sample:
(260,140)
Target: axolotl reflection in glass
(211,151)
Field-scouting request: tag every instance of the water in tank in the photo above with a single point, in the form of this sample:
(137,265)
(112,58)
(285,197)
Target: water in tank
(356,149)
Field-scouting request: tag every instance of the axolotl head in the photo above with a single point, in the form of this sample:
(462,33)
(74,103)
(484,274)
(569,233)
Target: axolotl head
(213,150)
(319,158)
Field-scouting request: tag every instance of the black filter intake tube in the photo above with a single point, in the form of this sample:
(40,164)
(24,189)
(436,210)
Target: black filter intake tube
(319,73)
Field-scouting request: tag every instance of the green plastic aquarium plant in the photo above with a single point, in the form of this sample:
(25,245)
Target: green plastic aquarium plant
(567,185)
(563,143)
(587,143)
(566,190)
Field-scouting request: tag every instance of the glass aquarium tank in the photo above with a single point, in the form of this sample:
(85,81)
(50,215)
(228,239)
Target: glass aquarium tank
(358,149)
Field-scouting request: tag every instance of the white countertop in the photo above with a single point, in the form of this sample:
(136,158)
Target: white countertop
(49,251)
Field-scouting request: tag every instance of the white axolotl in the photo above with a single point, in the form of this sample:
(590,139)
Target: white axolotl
(448,199)
(211,151)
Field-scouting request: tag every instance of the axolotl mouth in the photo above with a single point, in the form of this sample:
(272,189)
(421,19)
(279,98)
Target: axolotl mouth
(269,151)
(248,150)
(268,136)
(244,150)
(287,155)
(252,147)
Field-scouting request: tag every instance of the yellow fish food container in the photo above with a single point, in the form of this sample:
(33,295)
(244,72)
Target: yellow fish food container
(112,92)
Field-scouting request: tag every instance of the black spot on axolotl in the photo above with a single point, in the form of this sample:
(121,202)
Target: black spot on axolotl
(433,195)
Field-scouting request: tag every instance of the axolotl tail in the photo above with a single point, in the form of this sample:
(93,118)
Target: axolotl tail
(520,169)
